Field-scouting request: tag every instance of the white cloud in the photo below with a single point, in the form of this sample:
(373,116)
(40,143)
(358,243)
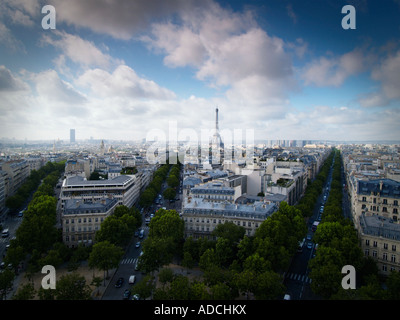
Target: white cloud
(78,50)
(333,71)
(124,82)
(122,19)
(8,82)
(54,90)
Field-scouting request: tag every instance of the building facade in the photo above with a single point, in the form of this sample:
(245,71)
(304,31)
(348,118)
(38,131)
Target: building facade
(124,188)
(82,219)
(380,239)
(202,217)
(376,197)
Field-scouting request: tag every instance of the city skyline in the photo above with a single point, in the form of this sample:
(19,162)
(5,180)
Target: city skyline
(116,70)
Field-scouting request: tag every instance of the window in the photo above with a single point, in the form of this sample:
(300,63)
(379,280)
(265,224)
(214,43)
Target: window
(385,246)
(367,242)
(393,258)
(366,252)
(395,210)
(374,253)
(385,201)
(384,256)
(395,202)
(384,209)
(364,199)
(375,244)
(393,247)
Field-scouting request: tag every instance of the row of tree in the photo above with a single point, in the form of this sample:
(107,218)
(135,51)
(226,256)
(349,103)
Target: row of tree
(50,172)
(173,182)
(314,189)
(338,245)
(150,193)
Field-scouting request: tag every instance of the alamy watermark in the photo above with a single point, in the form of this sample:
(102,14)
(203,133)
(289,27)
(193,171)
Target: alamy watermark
(49,280)
(209,145)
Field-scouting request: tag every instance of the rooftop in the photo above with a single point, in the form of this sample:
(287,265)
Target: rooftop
(258,210)
(379,226)
(386,187)
(80,181)
(73,206)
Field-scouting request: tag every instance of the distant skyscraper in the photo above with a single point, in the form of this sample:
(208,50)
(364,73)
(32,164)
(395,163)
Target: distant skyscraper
(72,136)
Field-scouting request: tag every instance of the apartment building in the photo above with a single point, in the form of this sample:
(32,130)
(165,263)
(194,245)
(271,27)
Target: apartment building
(376,197)
(124,188)
(81,219)
(380,239)
(202,217)
(215,191)
(17,171)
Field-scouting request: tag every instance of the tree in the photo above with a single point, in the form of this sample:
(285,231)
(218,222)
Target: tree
(156,253)
(147,197)
(72,287)
(105,256)
(167,224)
(6,282)
(117,229)
(198,291)
(169,193)
(25,292)
(144,288)
(179,288)
(173,181)
(14,256)
(229,231)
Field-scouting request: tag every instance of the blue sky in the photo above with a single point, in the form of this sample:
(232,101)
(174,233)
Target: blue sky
(119,69)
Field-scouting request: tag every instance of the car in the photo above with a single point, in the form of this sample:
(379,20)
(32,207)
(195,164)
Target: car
(309,245)
(119,283)
(137,244)
(136,297)
(127,294)
(309,237)
(132,279)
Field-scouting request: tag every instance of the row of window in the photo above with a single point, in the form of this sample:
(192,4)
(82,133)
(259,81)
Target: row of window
(84,220)
(375,245)
(384,201)
(384,255)
(214,221)
(376,208)
(82,229)
(87,237)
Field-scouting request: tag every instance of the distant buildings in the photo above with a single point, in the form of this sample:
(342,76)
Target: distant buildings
(72,136)
(16,172)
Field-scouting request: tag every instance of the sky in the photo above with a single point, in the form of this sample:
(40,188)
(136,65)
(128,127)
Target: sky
(122,70)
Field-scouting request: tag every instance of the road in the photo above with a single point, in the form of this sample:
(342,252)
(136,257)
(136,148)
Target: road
(126,267)
(296,278)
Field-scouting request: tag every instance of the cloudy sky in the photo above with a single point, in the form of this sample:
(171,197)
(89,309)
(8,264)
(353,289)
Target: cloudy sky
(118,69)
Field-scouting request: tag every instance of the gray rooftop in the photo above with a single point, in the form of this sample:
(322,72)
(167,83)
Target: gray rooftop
(379,226)
(390,188)
(213,187)
(73,206)
(80,181)
(258,210)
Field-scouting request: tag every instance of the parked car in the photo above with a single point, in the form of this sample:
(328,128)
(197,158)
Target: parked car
(127,294)
(137,244)
(119,283)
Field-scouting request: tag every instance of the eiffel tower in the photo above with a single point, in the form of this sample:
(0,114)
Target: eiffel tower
(216,145)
